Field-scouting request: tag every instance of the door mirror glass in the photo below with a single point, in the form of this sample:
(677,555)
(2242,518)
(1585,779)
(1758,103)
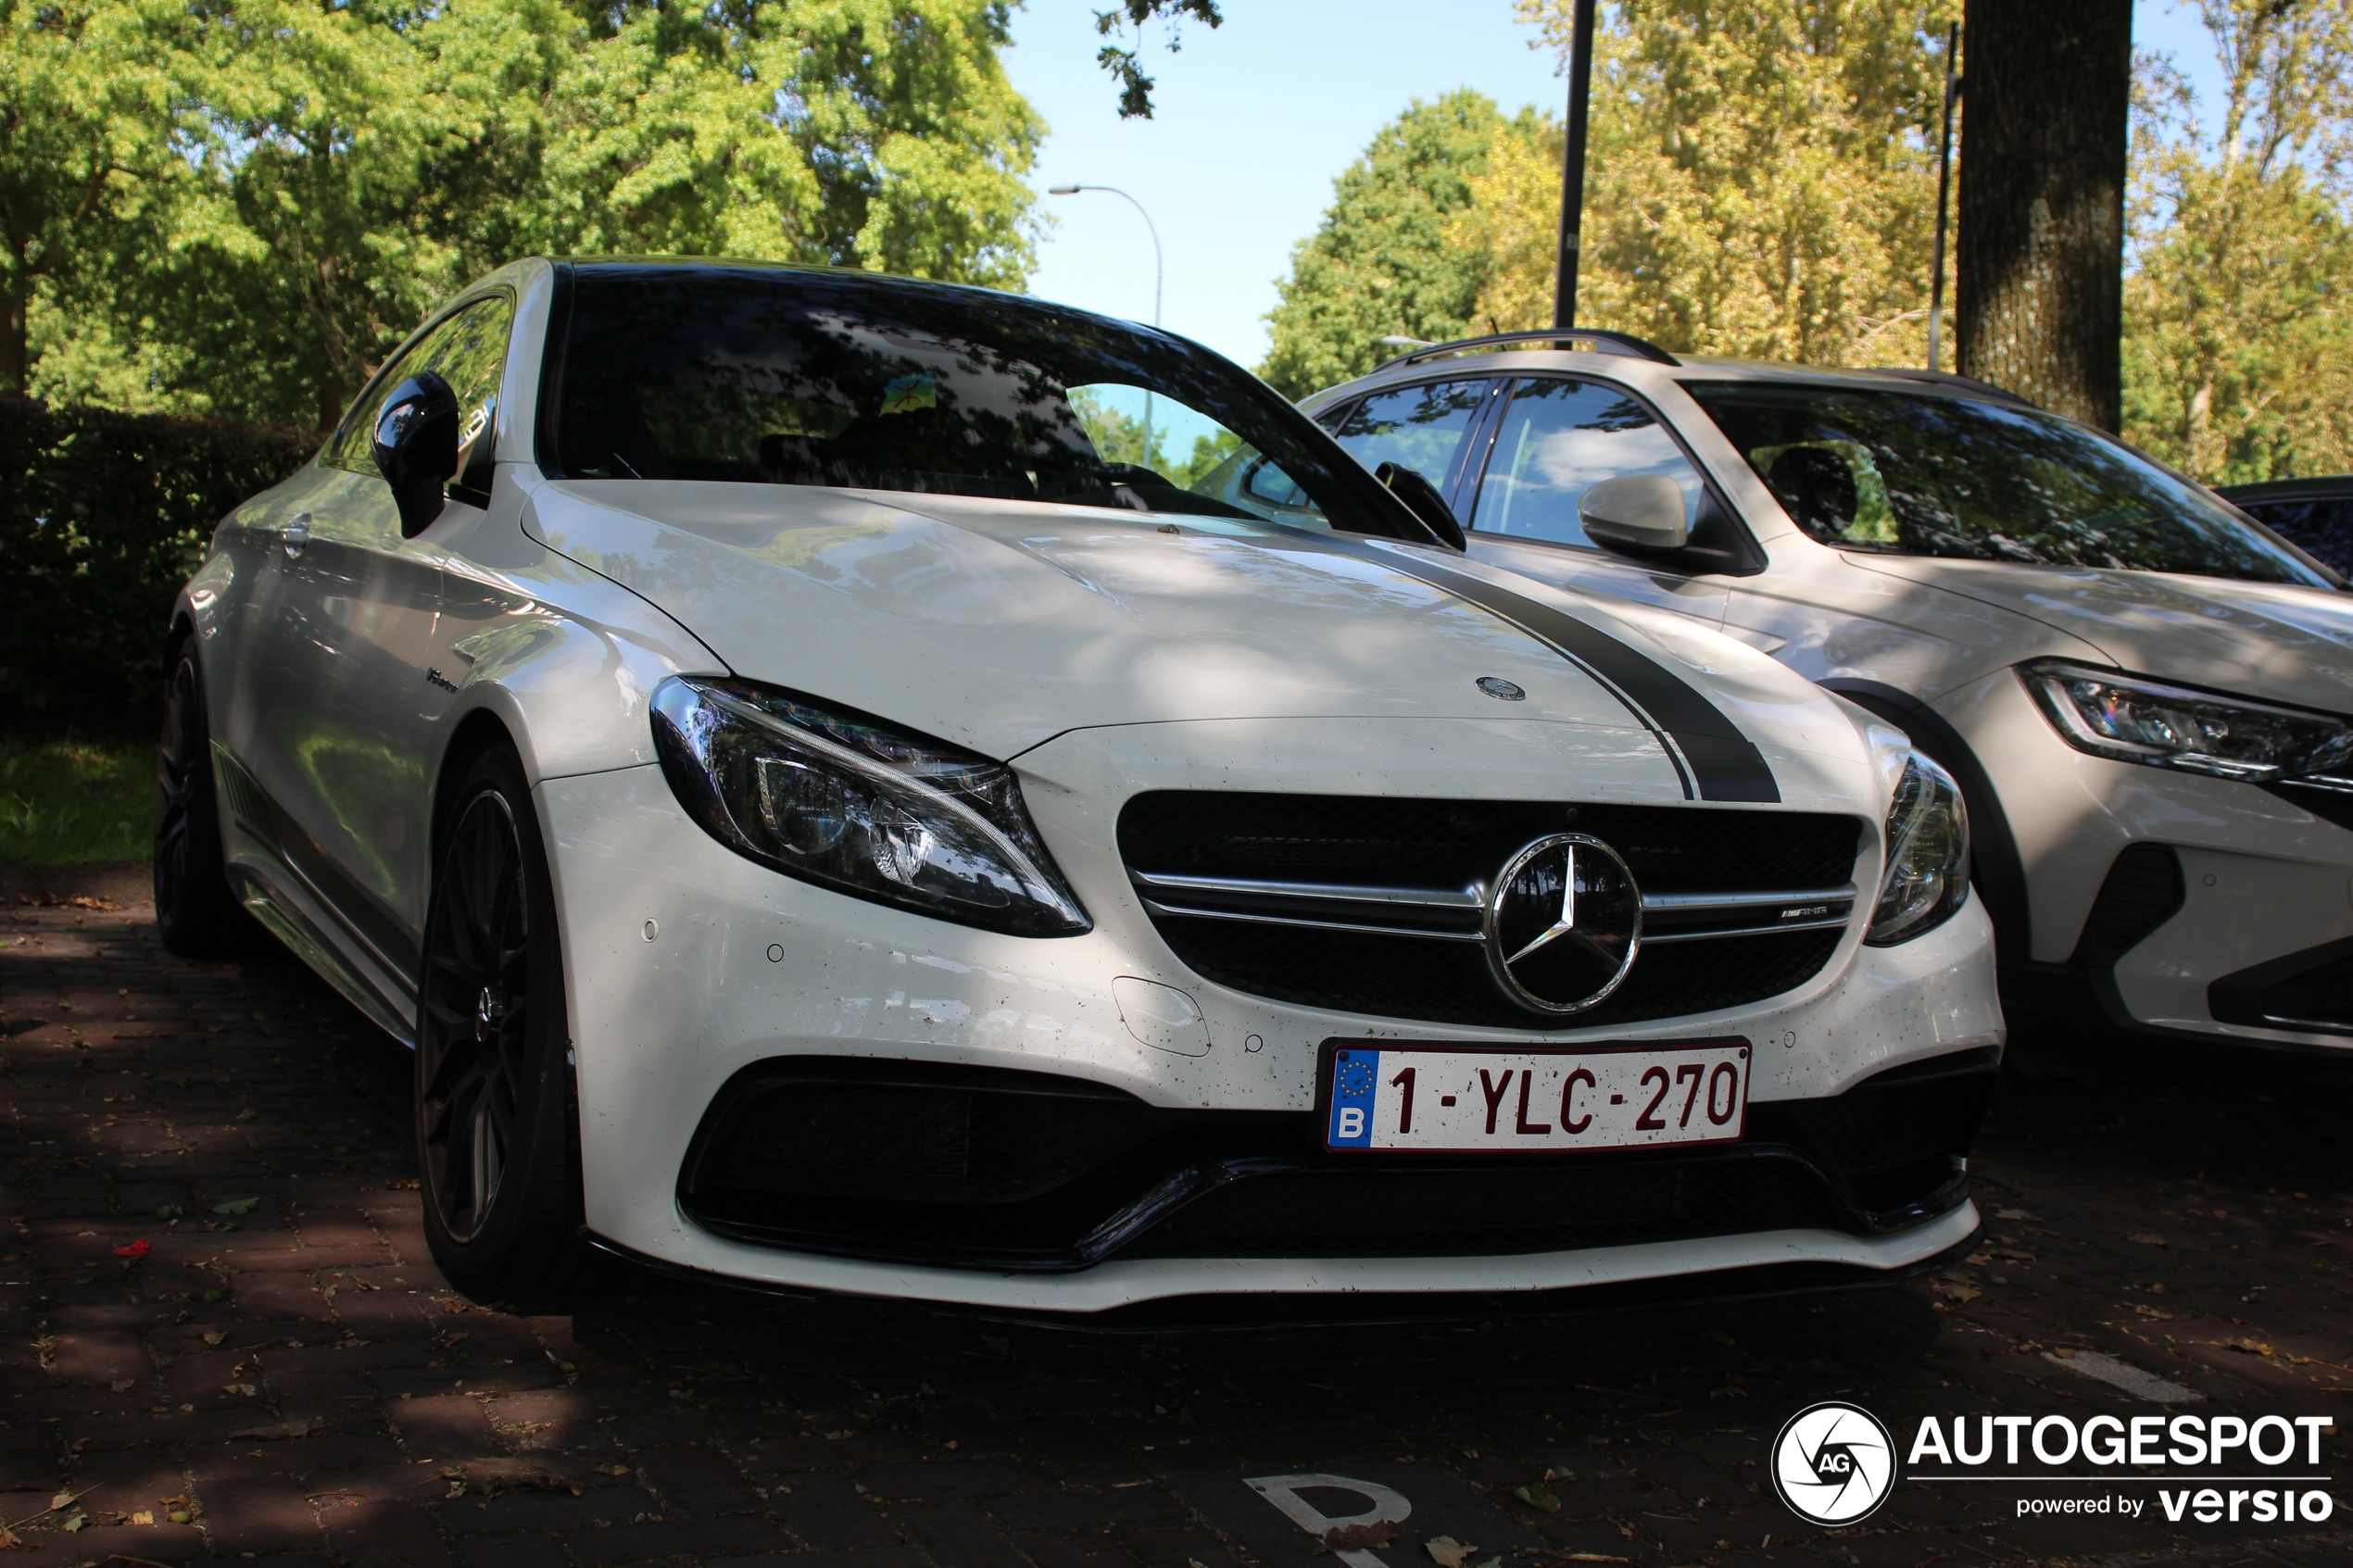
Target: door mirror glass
(1638,512)
(416,447)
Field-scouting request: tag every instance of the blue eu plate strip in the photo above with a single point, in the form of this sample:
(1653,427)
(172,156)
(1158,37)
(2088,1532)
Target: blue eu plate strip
(1355,1079)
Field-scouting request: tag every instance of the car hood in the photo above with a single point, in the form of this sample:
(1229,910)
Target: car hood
(1000,624)
(2262,639)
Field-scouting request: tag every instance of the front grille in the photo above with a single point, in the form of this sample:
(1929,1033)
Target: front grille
(1371,906)
(1487,1209)
(986,1168)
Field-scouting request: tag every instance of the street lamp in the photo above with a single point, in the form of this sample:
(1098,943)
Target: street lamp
(1159,271)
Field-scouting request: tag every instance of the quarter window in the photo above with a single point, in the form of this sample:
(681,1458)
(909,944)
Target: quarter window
(1419,427)
(1560,438)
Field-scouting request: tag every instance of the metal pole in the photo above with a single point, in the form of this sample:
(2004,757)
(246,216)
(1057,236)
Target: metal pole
(1580,85)
(1159,273)
(1943,186)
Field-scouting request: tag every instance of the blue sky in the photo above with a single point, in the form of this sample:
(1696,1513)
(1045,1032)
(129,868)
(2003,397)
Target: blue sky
(1253,123)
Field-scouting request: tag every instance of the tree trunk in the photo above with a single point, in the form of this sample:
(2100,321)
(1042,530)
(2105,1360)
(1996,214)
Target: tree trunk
(15,356)
(2039,268)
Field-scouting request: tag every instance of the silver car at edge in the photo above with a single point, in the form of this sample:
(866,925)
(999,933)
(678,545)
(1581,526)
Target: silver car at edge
(2144,692)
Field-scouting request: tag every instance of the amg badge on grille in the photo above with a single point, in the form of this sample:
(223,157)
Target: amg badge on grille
(1562,923)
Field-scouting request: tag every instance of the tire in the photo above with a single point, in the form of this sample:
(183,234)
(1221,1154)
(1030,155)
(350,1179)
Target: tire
(197,914)
(498,1115)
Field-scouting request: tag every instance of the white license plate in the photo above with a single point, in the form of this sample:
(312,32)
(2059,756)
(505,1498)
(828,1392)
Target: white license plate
(1481,1100)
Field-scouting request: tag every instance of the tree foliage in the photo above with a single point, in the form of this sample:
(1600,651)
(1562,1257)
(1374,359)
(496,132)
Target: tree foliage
(1381,263)
(1761,180)
(338,167)
(2238,357)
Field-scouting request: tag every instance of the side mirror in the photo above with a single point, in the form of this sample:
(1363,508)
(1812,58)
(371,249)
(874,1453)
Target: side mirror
(1639,512)
(1421,498)
(417,447)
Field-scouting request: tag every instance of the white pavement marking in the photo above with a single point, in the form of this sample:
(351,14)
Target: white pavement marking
(1389,1507)
(2122,1375)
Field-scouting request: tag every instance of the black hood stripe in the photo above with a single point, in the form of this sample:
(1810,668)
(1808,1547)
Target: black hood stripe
(1715,762)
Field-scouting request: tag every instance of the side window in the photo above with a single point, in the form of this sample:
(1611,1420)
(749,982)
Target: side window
(469,351)
(1558,439)
(2322,528)
(1419,427)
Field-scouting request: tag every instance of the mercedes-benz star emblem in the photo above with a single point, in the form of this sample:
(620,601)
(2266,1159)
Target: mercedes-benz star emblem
(1562,923)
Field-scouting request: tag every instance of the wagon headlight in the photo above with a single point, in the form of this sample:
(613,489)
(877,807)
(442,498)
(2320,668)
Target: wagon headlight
(839,800)
(2133,720)
(1927,875)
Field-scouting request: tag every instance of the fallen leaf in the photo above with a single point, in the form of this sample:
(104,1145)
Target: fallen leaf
(235,1206)
(1955,1292)
(2146,1238)
(612,1469)
(1359,1537)
(9,1541)
(277,1432)
(1448,1552)
(401,1184)
(61,1499)
(247,1389)
(2012,1214)
(2064,1353)
(136,1249)
(215,1336)
(2248,1347)
(76,1522)
(1537,1497)
(144,1516)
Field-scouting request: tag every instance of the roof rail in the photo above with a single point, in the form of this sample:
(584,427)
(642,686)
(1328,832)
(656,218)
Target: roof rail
(1585,340)
(1957,383)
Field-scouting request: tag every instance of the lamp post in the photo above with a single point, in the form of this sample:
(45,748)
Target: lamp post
(1159,272)
(1580,90)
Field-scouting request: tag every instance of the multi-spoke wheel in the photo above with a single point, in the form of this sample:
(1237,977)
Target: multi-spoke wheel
(496,1125)
(196,913)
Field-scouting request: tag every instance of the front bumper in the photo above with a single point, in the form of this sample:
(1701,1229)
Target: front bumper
(2182,899)
(686,965)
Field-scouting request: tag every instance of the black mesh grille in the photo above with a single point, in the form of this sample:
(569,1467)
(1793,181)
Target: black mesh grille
(1443,844)
(1049,1174)
(2143,891)
(1491,1209)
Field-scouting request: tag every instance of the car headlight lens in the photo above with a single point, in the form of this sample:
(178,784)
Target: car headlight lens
(839,800)
(2133,720)
(1927,875)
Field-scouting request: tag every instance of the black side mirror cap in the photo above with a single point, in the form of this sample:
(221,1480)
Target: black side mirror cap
(1421,498)
(416,440)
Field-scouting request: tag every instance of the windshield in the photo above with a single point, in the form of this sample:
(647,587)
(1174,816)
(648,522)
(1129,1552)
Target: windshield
(821,378)
(1921,475)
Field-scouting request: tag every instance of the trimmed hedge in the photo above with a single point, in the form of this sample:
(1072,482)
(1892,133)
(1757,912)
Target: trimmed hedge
(102,518)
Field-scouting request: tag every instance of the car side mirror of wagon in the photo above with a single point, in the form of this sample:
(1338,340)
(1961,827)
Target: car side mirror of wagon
(416,440)
(1638,513)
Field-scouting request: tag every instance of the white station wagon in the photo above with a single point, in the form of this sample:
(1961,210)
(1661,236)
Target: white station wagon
(866,786)
(2143,692)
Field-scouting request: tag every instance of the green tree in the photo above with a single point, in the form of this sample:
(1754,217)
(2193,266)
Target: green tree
(1381,262)
(88,105)
(1761,180)
(2238,348)
(354,162)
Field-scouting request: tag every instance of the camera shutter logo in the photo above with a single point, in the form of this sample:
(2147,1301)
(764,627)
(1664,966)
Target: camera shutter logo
(1833,1463)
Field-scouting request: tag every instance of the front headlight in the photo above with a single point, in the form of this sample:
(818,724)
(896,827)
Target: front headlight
(839,800)
(2132,720)
(1927,875)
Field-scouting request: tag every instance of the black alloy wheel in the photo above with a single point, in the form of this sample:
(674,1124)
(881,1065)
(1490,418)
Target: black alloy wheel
(498,1121)
(197,914)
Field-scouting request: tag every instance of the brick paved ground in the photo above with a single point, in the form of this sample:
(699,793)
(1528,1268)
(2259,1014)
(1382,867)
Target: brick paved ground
(290,1380)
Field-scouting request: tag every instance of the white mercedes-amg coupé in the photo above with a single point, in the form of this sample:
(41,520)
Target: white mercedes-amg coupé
(867,785)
